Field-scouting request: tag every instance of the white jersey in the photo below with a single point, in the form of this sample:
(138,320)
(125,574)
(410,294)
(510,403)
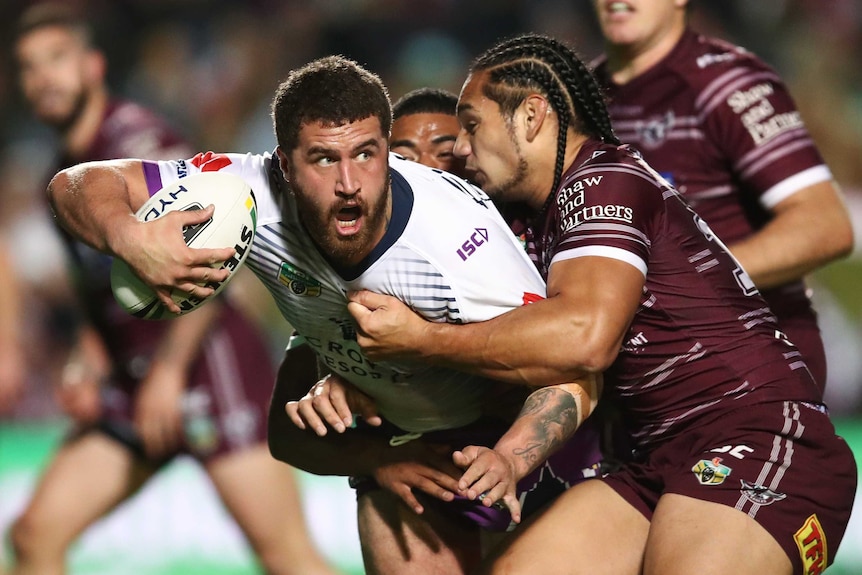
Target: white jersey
(447,253)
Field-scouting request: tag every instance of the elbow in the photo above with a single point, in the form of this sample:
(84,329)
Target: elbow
(53,192)
(592,360)
(847,242)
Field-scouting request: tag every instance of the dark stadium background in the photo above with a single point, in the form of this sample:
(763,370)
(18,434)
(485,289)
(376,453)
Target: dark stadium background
(212,66)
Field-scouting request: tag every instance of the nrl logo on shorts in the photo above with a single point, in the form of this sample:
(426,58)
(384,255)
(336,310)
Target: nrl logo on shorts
(299,282)
(759,494)
(711,471)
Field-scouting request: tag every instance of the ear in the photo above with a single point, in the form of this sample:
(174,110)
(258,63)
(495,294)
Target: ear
(96,66)
(283,163)
(535,110)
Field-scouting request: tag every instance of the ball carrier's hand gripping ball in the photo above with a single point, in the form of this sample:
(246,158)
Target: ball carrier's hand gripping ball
(232,225)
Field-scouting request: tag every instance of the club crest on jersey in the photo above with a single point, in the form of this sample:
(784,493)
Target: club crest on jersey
(299,282)
(655,131)
(811,542)
(759,494)
(711,471)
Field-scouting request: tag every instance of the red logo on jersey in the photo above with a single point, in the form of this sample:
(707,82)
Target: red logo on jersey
(531,298)
(210,162)
(811,541)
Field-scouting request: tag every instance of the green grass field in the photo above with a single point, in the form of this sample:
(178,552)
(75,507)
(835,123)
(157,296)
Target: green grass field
(176,526)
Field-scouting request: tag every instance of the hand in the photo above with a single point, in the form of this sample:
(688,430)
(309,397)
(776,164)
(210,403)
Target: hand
(489,476)
(78,394)
(418,465)
(87,368)
(158,417)
(387,328)
(335,400)
(157,253)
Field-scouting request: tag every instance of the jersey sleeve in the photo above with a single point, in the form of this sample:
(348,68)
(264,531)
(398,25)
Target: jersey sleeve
(750,115)
(610,212)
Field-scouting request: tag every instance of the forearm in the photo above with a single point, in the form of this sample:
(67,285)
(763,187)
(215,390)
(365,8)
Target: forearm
(349,453)
(11,321)
(550,416)
(94,202)
(540,344)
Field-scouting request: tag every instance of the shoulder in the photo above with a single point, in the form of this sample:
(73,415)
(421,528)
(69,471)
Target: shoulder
(139,132)
(707,63)
(610,175)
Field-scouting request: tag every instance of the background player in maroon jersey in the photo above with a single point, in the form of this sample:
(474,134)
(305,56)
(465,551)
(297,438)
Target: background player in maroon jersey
(141,392)
(424,128)
(720,125)
(735,455)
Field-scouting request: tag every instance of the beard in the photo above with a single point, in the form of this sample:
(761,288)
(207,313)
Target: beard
(64,120)
(321,225)
(508,189)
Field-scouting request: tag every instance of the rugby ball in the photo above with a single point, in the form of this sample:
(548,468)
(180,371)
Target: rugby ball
(232,225)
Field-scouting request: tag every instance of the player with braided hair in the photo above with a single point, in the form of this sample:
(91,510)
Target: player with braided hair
(725,419)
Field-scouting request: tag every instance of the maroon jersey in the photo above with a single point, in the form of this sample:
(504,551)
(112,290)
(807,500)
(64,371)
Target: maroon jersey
(703,340)
(229,386)
(721,127)
(128,130)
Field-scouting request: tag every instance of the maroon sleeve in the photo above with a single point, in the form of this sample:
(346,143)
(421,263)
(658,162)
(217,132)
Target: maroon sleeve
(608,210)
(751,117)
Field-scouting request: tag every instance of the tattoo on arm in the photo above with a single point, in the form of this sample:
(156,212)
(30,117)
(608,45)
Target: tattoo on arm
(552,415)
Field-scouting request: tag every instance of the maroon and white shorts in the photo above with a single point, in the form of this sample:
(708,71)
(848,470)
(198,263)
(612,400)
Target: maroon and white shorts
(226,403)
(781,463)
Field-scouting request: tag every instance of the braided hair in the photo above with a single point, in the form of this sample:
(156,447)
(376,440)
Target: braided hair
(534,62)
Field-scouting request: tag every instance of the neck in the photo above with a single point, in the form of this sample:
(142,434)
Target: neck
(545,175)
(78,138)
(628,61)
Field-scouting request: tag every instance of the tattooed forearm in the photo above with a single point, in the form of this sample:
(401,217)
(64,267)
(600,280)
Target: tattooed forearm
(549,417)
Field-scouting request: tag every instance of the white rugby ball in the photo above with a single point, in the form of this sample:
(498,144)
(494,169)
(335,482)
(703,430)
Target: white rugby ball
(232,225)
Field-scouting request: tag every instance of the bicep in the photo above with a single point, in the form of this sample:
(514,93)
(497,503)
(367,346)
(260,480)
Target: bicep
(605,292)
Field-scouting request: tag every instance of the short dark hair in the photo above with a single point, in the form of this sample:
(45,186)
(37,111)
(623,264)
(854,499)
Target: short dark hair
(425,101)
(48,14)
(333,90)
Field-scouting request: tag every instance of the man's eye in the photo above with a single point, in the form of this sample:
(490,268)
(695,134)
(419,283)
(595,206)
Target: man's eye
(325,161)
(363,156)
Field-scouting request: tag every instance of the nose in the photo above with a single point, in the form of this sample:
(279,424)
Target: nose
(347,183)
(462,147)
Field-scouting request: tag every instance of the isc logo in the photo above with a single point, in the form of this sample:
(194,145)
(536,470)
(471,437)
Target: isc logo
(479,237)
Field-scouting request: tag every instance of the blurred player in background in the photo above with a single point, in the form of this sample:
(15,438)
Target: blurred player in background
(142,392)
(721,127)
(424,128)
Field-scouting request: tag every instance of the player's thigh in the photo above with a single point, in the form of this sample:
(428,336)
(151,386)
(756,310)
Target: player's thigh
(88,476)
(589,529)
(395,540)
(689,535)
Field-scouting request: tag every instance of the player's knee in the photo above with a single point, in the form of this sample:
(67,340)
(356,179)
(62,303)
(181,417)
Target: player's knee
(24,538)
(35,537)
